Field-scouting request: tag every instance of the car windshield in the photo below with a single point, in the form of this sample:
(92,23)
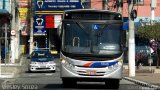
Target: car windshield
(91,38)
(41,54)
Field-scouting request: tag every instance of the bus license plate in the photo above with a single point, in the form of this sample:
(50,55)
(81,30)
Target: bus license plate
(91,72)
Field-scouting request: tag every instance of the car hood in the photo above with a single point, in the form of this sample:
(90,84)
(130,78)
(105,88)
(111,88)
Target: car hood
(41,59)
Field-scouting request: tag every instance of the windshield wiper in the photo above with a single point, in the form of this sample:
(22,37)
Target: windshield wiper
(81,26)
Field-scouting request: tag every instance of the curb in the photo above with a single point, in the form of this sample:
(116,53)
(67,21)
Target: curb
(142,83)
(9,75)
(16,73)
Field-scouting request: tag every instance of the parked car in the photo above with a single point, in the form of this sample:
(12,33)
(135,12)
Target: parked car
(42,60)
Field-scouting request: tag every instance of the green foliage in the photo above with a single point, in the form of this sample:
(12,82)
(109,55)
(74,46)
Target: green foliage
(150,31)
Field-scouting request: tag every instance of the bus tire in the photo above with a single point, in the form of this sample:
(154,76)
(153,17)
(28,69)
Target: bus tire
(67,83)
(112,83)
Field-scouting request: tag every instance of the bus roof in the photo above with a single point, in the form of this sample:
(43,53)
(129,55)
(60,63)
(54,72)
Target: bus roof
(91,14)
(89,10)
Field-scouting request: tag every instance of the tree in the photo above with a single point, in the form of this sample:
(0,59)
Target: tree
(151,32)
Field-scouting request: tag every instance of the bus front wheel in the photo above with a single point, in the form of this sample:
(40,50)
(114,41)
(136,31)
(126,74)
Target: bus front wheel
(112,83)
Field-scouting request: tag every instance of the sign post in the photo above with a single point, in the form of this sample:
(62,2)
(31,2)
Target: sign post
(39,25)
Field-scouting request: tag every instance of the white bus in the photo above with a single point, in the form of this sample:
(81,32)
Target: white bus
(92,47)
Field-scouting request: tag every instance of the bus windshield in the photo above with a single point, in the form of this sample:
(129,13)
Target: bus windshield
(91,38)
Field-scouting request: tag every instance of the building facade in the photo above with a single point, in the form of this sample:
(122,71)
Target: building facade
(5,18)
(47,17)
(143,8)
(17,28)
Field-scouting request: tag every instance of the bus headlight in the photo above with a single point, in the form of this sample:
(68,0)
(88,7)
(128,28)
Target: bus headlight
(115,66)
(110,67)
(67,64)
(63,61)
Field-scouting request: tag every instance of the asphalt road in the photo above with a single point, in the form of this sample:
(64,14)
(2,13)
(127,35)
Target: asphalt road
(1,81)
(52,81)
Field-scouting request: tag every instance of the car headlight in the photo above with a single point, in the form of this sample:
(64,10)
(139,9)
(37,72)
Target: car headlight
(33,62)
(51,62)
(33,66)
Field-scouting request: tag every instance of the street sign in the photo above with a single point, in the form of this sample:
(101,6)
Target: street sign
(57,4)
(13,32)
(39,25)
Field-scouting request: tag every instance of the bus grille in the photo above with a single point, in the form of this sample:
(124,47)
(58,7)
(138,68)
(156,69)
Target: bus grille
(85,73)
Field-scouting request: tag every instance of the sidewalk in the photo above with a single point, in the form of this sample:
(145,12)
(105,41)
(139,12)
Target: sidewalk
(144,76)
(12,70)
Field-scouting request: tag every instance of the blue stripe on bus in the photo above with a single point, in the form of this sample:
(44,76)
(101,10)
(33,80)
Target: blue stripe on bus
(102,64)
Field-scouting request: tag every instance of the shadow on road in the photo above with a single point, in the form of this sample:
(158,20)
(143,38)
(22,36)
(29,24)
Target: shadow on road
(78,87)
(35,72)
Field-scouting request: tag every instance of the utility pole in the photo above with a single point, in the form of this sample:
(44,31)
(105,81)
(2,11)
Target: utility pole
(13,50)
(0,55)
(17,53)
(153,7)
(3,4)
(0,49)
(131,52)
(31,36)
(120,6)
(31,28)
(6,43)
(104,4)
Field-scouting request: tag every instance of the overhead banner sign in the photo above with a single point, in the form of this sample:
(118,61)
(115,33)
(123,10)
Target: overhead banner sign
(43,22)
(39,25)
(52,21)
(23,14)
(41,5)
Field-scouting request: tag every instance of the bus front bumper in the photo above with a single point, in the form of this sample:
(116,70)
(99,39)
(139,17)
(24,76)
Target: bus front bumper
(84,73)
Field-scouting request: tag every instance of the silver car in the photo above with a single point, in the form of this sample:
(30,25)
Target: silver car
(42,60)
